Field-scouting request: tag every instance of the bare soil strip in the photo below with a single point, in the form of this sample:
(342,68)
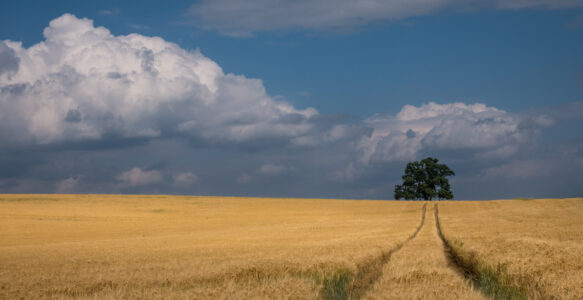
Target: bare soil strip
(346,285)
(480,276)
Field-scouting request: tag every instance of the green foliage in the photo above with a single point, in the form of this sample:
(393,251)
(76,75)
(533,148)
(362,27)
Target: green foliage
(524,198)
(425,179)
(335,287)
(493,282)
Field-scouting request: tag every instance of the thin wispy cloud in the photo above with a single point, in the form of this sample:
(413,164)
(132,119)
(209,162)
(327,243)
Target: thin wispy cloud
(243,18)
(109,12)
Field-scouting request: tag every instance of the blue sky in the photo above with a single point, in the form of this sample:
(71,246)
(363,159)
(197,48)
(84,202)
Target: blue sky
(358,67)
(443,58)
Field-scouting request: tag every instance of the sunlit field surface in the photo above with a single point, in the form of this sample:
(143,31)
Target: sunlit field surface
(97,246)
(109,246)
(420,270)
(534,247)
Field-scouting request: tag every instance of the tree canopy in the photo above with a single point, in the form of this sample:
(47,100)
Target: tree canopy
(425,179)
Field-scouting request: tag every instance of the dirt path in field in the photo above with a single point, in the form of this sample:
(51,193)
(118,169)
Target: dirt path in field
(347,285)
(454,263)
(422,270)
(370,271)
(468,267)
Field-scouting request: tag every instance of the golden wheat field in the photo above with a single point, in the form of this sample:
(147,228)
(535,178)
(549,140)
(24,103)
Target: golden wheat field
(420,270)
(533,247)
(181,247)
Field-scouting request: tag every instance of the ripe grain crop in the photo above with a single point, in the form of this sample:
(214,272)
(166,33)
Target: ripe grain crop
(421,270)
(520,248)
(97,246)
(105,247)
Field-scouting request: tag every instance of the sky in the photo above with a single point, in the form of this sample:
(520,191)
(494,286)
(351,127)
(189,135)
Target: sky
(327,99)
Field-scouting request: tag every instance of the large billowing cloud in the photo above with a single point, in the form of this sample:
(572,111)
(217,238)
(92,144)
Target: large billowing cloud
(476,130)
(242,18)
(83,83)
(8,60)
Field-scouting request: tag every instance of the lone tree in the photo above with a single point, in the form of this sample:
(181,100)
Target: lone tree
(422,180)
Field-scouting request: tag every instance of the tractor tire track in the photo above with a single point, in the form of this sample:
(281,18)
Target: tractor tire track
(480,277)
(345,285)
(455,261)
(370,271)
(421,270)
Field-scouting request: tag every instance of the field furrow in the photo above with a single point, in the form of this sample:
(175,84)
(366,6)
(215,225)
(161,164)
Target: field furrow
(348,285)
(488,283)
(519,248)
(421,270)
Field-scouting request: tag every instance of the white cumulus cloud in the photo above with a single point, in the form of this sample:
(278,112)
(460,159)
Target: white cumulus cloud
(67,186)
(185,179)
(244,179)
(8,59)
(476,129)
(139,177)
(271,169)
(84,83)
